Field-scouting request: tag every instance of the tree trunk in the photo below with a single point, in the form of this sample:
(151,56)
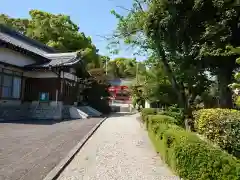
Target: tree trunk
(179,88)
(225,77)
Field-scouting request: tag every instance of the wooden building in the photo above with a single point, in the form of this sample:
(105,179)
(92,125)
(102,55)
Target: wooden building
(31,71)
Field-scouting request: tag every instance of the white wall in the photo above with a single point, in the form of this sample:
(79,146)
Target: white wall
(38,74)
(147,104)
(15,58)
(72,70)
(68,76)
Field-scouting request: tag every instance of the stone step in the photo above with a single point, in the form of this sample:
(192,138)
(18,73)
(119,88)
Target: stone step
(89,112)
(28,112)
(66,113)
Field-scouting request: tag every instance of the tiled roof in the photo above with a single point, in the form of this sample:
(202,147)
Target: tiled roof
(9,39)
(49,56)
(59,59)
(17,39)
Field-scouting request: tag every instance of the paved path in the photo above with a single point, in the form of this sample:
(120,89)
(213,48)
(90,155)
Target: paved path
(119,150)
(29,151)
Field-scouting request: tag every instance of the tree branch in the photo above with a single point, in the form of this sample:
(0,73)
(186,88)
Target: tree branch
(139,5)
(121,7)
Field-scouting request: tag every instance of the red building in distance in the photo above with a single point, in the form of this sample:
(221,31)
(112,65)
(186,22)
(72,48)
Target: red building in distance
(119,90)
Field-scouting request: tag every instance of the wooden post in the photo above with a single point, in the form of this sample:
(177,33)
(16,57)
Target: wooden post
(56,96)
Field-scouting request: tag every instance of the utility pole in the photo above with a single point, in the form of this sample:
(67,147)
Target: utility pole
(137,72)
(106,66)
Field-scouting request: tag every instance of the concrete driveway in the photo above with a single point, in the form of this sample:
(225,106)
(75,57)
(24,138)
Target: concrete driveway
(29,150)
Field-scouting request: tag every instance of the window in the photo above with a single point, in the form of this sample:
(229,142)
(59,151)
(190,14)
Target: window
(7,86)
(10,84)
(16,87)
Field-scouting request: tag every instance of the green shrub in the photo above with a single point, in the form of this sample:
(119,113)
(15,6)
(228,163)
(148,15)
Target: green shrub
(175,108)
(177,115)
(160,119)
(237,101)
(192,158)
(154,120)
(221,126)
(147,111)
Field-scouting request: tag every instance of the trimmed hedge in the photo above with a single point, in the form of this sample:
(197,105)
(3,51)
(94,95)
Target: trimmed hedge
(189,156)
(147,111)
(177,115)
(155,120)
(221,126)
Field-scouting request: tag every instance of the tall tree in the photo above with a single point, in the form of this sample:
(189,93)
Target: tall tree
(199,31)
(131,29)
(55,30)
(189,38)
(123,67)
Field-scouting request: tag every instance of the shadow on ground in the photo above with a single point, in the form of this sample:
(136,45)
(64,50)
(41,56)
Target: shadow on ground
(31,151)
(35,121)
(119,114)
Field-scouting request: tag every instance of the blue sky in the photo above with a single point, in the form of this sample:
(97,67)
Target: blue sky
(92,16)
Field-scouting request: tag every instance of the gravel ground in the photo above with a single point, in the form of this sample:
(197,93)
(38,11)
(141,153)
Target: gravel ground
(30,149)
(121,150)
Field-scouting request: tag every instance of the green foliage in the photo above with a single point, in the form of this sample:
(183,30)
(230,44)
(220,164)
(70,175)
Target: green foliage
(175,112)
(175,108)
(97,97)
(237,101)
(153,121)
(154,85)
(179,118)
(189,38)
(221,126)
(16,23)
(157,87)
(122,67)
(190,157)
(236,85)
(196,33)
(55,30)
(159,29)
(60,32)
(147,111)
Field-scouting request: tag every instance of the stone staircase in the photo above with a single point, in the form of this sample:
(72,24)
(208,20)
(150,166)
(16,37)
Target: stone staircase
(65,112)
(44,111)
(90,111)
(79,112)
(9,113)
(28,111)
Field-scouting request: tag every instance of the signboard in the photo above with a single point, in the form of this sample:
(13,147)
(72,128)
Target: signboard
(43,96)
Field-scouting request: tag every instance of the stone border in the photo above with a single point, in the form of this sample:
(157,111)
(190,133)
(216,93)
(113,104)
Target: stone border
(56,171)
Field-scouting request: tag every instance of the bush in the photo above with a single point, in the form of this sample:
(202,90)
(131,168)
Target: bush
(221,126)
(175,108)
(192,158)
(153,121)
(177,115)
(147,111)
(237,101)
